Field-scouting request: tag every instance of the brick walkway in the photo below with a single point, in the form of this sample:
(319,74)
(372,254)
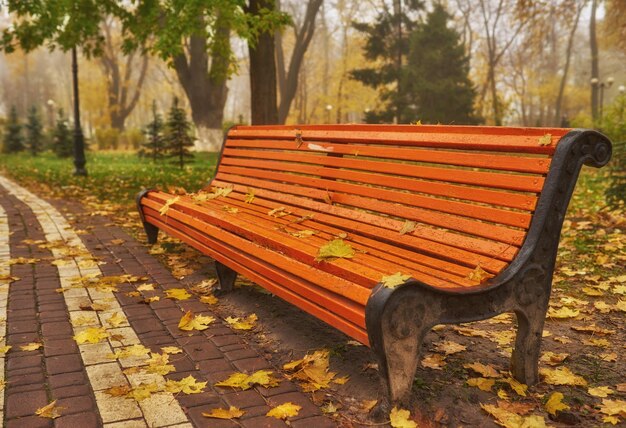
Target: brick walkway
(77,376)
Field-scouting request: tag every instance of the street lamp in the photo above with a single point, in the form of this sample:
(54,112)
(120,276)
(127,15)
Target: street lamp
(602,85)
(328,110)
(50,104)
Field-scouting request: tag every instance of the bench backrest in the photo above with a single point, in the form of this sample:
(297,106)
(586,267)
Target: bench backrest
(471,191)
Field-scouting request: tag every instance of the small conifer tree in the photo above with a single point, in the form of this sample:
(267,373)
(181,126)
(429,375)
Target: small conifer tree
(34,132)
(63,145)
(178,137)
(13,139)
(154,147)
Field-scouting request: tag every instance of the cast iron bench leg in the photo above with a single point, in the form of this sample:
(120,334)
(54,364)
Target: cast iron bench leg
(226,277)
(152,232)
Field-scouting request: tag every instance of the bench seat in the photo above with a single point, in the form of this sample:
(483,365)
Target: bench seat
(435,203)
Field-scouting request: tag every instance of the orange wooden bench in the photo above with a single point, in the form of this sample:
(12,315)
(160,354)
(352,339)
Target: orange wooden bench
(469,216)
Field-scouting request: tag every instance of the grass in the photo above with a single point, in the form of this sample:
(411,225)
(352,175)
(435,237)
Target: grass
(113,176)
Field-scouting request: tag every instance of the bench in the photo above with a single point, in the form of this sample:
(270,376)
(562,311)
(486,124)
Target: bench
(447,224)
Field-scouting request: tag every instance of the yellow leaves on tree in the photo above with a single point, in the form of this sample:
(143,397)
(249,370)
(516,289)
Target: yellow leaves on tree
(189,321)
(561,376)
(91,335)
(247,323)
(231,413)
(243,381)
(400,418)
(166,206)
(337,248)
(392,281)
(177,294)
(50,411)
(555,403)
(284,411)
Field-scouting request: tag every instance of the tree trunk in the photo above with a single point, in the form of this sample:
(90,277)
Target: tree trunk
(568,56)
(595,68)
(288,83)
(262,72)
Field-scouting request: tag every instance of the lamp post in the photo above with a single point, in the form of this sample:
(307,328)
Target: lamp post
(328,110)
(50,104)
(79,139)
(607,84)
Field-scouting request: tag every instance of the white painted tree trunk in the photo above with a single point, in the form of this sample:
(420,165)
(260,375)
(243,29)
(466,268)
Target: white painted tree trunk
(208,139)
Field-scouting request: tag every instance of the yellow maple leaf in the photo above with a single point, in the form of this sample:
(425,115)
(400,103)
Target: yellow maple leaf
(247,323)
(231,413)
(50,411)
(509,419)
(341,380)
(209,300)
(337,248)
(152,299)
(187,385)
(278,212)
(482,383)
(407,227)
(482,369)
(600,391)
(159,364)
(561,376)
(143,391)
(601,343)
(555,403)
(172,350)
(229,209)
(118,391)
(165,208)
(189,321)
(243,381)
(284,411)
(392,281)
(434,361)
(249,196)
(116,319)
(563,313)
(31,346)
(449,347)
(177,294)
(545,140)
(145,287)
(91,335)
(553,359)
(135,350)
(399,418)
(3,384)
(478,275)
(518,387)
(613,407)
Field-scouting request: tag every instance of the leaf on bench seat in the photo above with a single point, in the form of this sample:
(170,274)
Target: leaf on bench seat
(478,275)
(303,218)
(545,140)
(231,210)
(392,281)
(407,227)
(303,233)
(165,208)
(337,248)
(249,196)
(278,212)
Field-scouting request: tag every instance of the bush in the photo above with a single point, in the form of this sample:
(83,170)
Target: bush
(107,138)
(613,124)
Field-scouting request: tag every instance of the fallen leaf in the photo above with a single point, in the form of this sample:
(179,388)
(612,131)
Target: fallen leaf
(135,350)
(392,281)
(553,359)
(143,391)
(116,241)
(50,411)
(230,210)
(448,347)
(284,411)
(247,323)
(337,248)
(249,196)
(563,313)
(613,407)
(306,233)
(94,307)
(116,319)
(159,364)
(555,403)
(243,381)
(368,405)
(407,227)
(482,383)
(190,322)
(91,335)
(33,346)
(519,388)
(187,385)
(145,287)
(561,376)
(610,357)
(177,294)
(434,361)
(478,275)
(165,208)
(209,300)
(231,413)
(278,212)
(172,350)
(118,391)
(600,391)
(482,369)
(545,140)
(509,419)
(400,418)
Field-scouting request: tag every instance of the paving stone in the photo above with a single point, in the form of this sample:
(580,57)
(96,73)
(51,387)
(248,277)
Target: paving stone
(60,328)
(135,423)
(240,354)
(22,338)
(252,412)
(159,410)
(64,364)
(24,362)
(249,365)
(202,351)
(201,399)
(80,420)
(25,403)
(113,409)
(146,325)
(103,376)
(283,387)
(243,399)
(76,404)
(67,379)
(214,366)
(264,422)
(195,414)
(54,347)
(71,391)
(29,422)
(314,421)
(21,327)
(231,339)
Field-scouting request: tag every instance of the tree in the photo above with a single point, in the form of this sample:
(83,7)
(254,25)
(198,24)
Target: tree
(62,143)
(178,136)
(436,75)
(34,134)
(387,46)
(595,67)
(13,139)
(288,79)
(154,147)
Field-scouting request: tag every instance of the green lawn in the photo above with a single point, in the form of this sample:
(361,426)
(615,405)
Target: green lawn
(113,176)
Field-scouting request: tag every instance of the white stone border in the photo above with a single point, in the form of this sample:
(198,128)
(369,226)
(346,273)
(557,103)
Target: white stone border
(161,409)
(5,269)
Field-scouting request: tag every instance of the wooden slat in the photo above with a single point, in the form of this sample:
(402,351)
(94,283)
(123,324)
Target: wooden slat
(521,201)
(316,301)
(439,137)
(497,161)
(448,221)
(387,230)
(521,183)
